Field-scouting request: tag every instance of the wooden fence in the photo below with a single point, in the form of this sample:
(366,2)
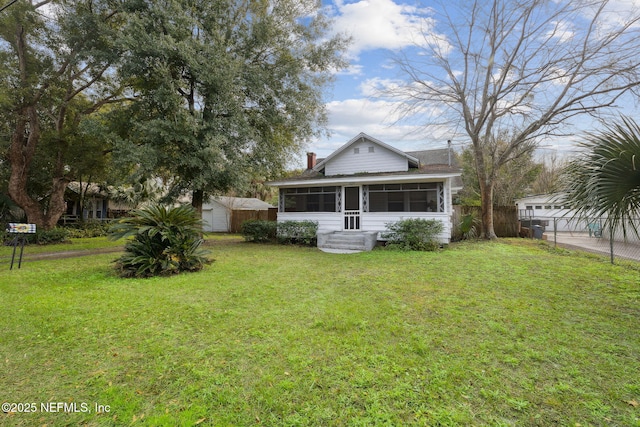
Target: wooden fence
(505,218)
(240,216)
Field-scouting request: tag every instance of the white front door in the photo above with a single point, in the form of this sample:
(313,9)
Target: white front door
(352,208)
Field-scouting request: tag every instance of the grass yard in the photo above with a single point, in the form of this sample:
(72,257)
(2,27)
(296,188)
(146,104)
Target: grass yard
(81,244)
(496,334)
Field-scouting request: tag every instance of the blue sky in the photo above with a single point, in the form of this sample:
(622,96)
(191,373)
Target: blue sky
(379,28)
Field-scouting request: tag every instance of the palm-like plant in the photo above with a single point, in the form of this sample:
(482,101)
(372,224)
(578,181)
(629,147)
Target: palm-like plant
(605,180)
(165,241)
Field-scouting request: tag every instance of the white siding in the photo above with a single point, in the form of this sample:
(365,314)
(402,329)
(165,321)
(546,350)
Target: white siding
(380,160)
(370,221)
(216,218)
(327,221)
(545,207)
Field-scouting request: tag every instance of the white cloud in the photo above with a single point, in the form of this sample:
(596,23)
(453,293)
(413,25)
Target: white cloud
(615,15)
(618,12)
(375,86)
(352,70)
(562,30)
(375,24)
(376,118)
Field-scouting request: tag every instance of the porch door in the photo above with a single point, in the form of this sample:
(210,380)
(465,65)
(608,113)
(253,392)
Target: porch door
(352,208)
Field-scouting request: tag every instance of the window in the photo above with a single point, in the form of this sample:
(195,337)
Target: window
(309,199)
(371,149)
(356,151)
(417,197)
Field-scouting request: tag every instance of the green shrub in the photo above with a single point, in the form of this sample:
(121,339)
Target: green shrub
(414,234)
(49,237)
(46,237)
(467,229)
(40,237)
(90,228)
(165,241)
(298,232)
(258,230)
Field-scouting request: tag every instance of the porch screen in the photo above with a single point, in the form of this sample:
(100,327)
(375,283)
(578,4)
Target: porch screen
(420,197)
(309,199)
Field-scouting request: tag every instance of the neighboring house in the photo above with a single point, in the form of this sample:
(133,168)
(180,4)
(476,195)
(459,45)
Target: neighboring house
(226,214)
(554,216)
(90,202)
(366,184)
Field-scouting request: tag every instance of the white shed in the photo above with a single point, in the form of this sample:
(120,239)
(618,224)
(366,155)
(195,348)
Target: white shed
(218,212)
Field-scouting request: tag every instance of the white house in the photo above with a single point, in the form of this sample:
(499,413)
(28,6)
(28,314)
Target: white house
(366,184)
(218,212)
(90,201)
(548,208)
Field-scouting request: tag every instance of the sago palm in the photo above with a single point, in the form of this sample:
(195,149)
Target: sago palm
(165,241)
(604,181)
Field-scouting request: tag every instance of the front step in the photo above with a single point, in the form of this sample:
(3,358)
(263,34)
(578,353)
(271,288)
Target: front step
(347,241)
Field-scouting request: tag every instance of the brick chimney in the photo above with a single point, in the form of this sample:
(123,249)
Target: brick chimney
(311,160)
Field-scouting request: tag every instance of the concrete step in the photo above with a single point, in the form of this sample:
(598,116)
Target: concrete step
(348,246)
(347,241)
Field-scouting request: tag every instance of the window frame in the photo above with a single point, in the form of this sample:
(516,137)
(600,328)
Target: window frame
(401,197)
(316,199)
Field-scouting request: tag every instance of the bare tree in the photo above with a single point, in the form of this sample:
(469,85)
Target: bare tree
(548,180)
(523,67)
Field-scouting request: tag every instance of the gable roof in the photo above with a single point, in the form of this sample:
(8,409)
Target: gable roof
(413,161)
(423,165)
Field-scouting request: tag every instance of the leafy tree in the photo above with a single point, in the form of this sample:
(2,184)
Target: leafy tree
(165,241)
(228,89)
(512,180)
(604,181)
(497,65)
(211,92)
(57,61)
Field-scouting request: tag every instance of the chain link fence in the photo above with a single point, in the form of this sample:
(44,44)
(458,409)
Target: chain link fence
(591,235)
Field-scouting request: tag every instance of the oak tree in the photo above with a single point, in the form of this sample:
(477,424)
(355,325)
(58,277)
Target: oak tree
(57,60)
(226,90)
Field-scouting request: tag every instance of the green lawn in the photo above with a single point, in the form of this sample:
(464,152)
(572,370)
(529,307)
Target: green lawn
(82,244)
(509,333)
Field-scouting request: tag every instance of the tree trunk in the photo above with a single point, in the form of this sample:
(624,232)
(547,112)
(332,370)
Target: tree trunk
(197,199)
(24,140)
(57,205)
(486,202)
(21,151)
